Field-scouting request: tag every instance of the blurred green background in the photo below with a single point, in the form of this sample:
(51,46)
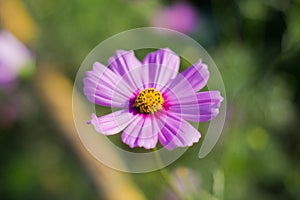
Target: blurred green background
(256,46)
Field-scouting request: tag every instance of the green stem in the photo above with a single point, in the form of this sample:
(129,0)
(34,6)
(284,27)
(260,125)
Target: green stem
(167,176)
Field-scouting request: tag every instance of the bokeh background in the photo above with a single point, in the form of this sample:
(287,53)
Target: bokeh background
(256,46)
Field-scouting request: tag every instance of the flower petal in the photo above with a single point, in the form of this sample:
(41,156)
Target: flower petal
(163,65)
(203,108)
(176,132)
(112,123)
(104,87)
(142,132)
(197,75)
(14,56)
(123,62)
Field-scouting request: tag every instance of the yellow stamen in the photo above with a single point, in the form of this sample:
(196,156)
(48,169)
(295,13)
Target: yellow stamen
(149,101)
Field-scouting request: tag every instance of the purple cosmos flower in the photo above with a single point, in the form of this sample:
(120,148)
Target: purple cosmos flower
(153,99)
(14,57)
(180,17)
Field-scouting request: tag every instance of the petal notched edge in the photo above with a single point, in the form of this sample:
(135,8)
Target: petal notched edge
(202,107)
(176,132)
(123,62)
(142,132)
(104,87)
(197,75)
(165,64)
(112,123)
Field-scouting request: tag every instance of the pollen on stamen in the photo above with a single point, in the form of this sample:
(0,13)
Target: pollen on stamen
(149,101)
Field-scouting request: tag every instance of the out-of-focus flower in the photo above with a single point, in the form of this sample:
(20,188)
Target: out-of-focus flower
(186,184)
(15,59)
(180,17)
(155,99)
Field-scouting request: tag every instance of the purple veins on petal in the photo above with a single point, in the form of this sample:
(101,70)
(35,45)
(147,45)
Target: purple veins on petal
(176,132)
(123,62)
(197,75)
(203,108)
(142,132)
(162,66)
(112,123)
(104,87)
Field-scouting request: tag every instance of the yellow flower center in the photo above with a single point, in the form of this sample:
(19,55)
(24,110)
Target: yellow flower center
(149,101)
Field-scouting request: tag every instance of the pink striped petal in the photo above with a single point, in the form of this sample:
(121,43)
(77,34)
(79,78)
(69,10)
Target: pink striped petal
(203,108)
(197,75)
(104,87)
(142,132)
(112,123)
(123,62)
(161,66)
(176,132)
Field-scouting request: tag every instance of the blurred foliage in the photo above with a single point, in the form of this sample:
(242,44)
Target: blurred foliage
(255,44)
(35,162)
(72,29)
